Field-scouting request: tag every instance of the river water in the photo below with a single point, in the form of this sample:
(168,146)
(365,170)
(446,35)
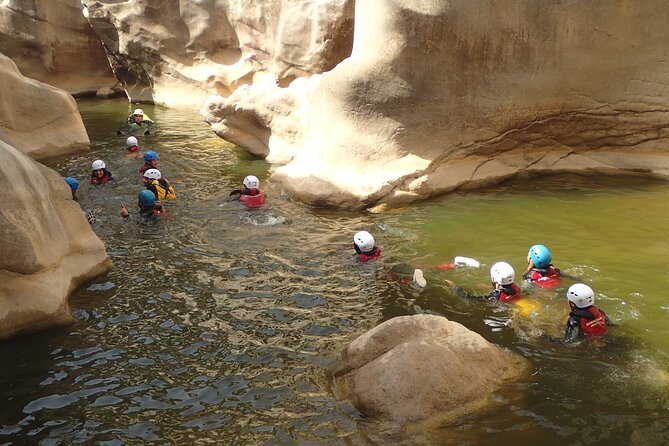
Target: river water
(218,324)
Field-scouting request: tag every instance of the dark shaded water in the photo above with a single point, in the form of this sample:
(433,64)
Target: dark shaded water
(217,324)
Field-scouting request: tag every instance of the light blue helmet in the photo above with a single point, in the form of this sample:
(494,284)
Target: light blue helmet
(147,198)
(540,255)
(72,182)
(150,156)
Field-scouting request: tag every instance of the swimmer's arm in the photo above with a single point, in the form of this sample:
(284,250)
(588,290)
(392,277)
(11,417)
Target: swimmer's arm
(573,330)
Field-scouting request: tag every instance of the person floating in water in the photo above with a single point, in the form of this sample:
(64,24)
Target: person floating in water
(74,186)
(149,207)
(154,181)
(250,193)
(584,318)
(539,267)
(139,119)
(502,276)
(131,144)
(365,247)
(100,174)
(150,161)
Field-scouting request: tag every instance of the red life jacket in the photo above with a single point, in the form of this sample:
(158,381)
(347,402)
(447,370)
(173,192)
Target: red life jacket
(509,292)
(369,256)
(549,279)
(253,200)
(595,326)
(133,149)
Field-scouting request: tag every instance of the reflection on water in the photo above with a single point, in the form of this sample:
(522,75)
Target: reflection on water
(217,323)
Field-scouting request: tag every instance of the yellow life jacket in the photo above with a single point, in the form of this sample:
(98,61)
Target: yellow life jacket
(162,189)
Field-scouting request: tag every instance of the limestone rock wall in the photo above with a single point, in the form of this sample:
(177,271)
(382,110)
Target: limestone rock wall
(51,41)
(439,96)
(37,118)
(178,52)
(48,247)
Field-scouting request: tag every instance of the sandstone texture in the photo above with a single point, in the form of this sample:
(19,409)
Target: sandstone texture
(51,41)
(179,53)
(412,368)
(37,118)
(438,96)
(48,247)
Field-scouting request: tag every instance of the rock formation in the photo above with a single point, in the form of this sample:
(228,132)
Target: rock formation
(36,118)
(412,368)
(51,41)
(48,247)
(439,96)
(178,55)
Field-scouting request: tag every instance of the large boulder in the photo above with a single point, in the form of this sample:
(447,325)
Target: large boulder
(179,53)
(51,41)
(37,118)
(438,96)
(413,368)
(47,249)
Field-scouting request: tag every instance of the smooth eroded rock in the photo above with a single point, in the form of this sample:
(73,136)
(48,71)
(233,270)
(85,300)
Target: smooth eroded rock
(37,118)
(412,368)
(51,41)
(48,248)
(178,54)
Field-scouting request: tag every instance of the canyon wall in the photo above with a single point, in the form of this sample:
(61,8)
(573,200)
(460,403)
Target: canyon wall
(51,41)
(48,248)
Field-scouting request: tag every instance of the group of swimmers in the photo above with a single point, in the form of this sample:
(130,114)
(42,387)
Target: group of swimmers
(585,320)
(157,187)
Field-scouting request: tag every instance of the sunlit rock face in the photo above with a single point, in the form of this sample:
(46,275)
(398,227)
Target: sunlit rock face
(37,118)
(413,368)
(179,53)
(439,96)
(47,249)
(51,41)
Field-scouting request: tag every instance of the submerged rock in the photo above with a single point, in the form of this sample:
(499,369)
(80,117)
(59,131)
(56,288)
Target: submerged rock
(37,118)
(47,250)
(412,368)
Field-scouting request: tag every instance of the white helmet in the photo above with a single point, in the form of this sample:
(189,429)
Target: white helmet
(502,273)
(153,174)
(364,241)
(131,141)
(98,164)
(138,111)
(581,295)
(251,182)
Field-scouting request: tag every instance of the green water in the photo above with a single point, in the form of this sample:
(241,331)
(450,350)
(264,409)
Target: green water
(217,324)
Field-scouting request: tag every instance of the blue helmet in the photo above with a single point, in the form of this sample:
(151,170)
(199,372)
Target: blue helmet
(147,198)
(540,255)
(72,182)
(150,156)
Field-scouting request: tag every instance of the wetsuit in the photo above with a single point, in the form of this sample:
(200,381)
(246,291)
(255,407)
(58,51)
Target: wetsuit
(544,277)
(504,292)
(368,256)
(162,190)
(131,120)
(589,321)
(104,180)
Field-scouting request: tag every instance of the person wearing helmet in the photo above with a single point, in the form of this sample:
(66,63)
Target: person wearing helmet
(584,318)
(364,245)
(74,186)
(150,161)
(100,174)
(250,194)
(154,181)
(502,276)
(149,207)
(131,144)
(540,269)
